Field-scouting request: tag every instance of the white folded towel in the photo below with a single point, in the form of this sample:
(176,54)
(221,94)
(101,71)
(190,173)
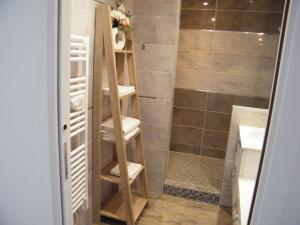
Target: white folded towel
(128,123)
(123,90)
(132,168)
(111,136)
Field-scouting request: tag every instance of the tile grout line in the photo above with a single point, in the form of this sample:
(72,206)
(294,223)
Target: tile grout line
(204,120)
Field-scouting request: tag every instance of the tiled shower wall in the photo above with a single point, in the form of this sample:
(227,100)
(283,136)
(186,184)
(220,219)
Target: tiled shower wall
(201,120)
(156,28)
(227,53)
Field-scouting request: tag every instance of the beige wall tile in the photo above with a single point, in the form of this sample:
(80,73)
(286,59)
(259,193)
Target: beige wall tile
(227,42)
(157,136)
(227,171)
(195,60)
(226,195)
(255,66)
(156,159)
(225,63)
(157,8)
(192,79)
(195,40)
(155,30)
(240,85)
(156,84)
(156,181)
(259,44)
(156,110)
(231,147)
(160,58)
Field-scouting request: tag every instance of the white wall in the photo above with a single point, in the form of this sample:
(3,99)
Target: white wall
(28,135)
(278,197)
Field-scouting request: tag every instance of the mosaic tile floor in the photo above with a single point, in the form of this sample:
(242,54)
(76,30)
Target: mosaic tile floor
(194,177)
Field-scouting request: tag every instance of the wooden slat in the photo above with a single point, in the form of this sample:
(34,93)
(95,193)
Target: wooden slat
(114,207)
(97,113)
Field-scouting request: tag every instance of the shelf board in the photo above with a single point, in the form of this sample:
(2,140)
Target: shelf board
(126,140)
(106,176)
(124,51)
(114,207)
(122,96)
(128,94)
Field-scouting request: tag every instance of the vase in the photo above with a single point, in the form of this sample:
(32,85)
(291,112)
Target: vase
(119,38)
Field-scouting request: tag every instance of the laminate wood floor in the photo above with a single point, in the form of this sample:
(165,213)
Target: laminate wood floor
(169,210)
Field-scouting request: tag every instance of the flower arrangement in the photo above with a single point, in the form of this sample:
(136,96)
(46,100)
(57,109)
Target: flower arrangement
(121,17)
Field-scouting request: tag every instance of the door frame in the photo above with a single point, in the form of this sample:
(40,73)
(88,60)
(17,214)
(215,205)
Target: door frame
(63,102)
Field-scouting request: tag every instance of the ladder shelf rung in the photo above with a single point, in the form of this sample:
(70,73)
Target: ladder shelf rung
(114,207)
(106,176)
(124,91)
(124,51)
(126,138)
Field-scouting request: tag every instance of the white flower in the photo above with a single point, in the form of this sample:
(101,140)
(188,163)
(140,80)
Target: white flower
(122,16)
(116,14)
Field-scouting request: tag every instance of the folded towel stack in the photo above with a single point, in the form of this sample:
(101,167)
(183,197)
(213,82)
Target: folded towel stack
(130,128)
(132,168)
(123,90)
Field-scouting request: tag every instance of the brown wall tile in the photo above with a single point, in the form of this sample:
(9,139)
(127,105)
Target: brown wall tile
(185,98)
(186,135)
(197,19)
(248,21)
(217,121)
(191,149)
(198,4)
(223,102)
(212,152)
(188,117)
(261,5)
(215,139)
(229,20)
(261,22)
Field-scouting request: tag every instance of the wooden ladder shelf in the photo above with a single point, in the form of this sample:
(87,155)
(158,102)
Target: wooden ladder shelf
(123,204)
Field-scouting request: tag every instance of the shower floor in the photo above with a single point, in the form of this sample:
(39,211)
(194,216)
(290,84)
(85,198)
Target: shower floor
(194,177)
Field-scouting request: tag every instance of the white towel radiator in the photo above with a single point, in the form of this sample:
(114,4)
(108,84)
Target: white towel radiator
(79,58)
